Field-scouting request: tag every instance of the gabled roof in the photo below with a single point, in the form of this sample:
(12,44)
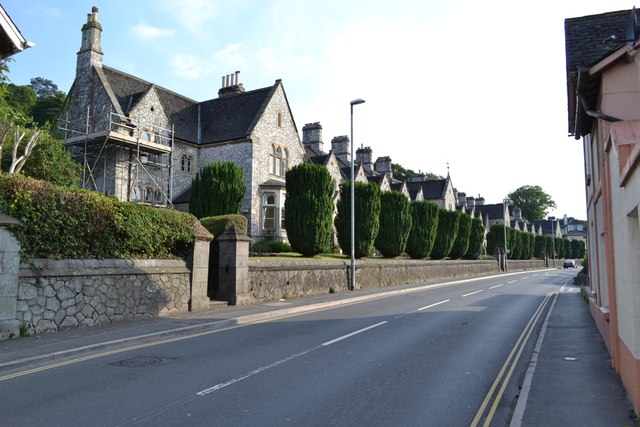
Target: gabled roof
(220,119)
(321,159)
(233,117)
(434,188)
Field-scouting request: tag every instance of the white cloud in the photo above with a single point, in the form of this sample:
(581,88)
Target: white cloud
(149,32)
(230,56)
(194,15)
(190,66)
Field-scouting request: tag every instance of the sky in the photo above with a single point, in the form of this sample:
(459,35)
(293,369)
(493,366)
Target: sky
(473,89)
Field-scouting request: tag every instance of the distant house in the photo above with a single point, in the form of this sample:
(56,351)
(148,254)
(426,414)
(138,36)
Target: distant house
(573,229)
(603,69)
(143,143)
(11,39)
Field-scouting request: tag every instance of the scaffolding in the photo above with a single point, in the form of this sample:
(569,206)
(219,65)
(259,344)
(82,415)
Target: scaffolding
(125,152)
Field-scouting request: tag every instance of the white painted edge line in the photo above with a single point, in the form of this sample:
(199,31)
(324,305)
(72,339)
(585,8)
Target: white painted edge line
(518,412)
(359,331)
(496,286)
(433,305)
(473,293)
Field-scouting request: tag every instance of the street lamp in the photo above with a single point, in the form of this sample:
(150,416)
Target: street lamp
(506,203)
(353,208)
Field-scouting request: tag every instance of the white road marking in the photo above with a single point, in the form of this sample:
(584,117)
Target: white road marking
(496,286)
(513,281)
(473,293)
(525,277)
(433,305)
(353,333)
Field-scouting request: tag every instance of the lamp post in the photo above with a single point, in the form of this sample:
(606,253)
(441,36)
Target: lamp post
(506,203)
(353,206)
(553,242)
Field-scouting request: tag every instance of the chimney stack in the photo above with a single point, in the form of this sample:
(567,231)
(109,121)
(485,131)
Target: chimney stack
(312,137)
(340,147)
(364,156)
(231,85)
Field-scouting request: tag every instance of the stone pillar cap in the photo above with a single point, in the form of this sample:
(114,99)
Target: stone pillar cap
(8,220)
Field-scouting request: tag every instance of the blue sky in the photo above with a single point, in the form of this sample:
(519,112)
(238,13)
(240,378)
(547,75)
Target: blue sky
(478,85)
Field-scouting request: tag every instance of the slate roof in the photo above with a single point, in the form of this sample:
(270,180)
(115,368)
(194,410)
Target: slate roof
(494,211)
(321,159)
(221,119)
(589,39)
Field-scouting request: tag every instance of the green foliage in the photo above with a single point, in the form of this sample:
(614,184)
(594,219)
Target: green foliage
(367,218)
(550,246)
(515,243)
(50,162)
(403,174)
(424,226)
(461,244)
(21,98)
(540,247)
(559,247)
(217,189)
(495,239)
(531,246)
(309,208)
(476,239)
(566,248)
(271,247)
(575,248)
(217,225)
(583,250)
(58,222)
(533,202)
(447,233)
(395,224)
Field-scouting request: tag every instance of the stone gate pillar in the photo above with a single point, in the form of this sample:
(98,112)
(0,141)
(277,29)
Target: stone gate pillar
(9,264)
(199,264)
(233,267)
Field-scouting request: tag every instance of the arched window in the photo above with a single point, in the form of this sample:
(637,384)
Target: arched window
(189,164)
(285,161)
(183,163)
(278,161)
(272,159)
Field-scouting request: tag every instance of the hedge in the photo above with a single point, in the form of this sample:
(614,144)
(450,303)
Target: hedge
(217,225)
(217,189)
(64,223)
(476,239)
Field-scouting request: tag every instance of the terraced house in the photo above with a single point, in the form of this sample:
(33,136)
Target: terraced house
(143,143)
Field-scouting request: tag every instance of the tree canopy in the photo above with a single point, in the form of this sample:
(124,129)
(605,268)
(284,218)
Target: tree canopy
(403,174)
(532,201)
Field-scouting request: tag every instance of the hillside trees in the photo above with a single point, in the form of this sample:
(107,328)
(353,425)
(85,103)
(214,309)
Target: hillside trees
(533,202)
(309,208)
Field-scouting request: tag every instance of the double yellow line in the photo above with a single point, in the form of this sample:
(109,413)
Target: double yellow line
(509,366)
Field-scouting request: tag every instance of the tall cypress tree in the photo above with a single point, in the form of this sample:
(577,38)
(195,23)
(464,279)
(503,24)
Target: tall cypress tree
(367,218)
(446,235)
(424,226)
(217,189)
(309,208)
(461,244)
(395,224)
(476,239)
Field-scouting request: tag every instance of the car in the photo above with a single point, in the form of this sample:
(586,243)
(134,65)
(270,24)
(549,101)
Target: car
(569,263)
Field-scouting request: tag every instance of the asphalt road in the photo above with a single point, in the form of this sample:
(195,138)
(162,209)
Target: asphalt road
(448,356)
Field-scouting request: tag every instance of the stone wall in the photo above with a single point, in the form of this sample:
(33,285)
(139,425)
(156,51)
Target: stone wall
(272,280)
(56,295)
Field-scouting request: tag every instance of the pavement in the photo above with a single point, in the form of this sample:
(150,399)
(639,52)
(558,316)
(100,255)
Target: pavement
(569,381)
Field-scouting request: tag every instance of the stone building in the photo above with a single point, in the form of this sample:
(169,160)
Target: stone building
(143,143)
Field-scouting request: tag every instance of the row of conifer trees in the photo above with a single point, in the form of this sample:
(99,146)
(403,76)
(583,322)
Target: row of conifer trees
(384,221)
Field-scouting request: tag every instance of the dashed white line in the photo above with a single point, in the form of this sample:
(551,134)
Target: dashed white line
(353,333)
(433,305)
(473,293)
(513,281)
(496,286)
(525,277)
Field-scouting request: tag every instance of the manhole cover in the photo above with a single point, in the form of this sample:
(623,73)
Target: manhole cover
(138,362)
